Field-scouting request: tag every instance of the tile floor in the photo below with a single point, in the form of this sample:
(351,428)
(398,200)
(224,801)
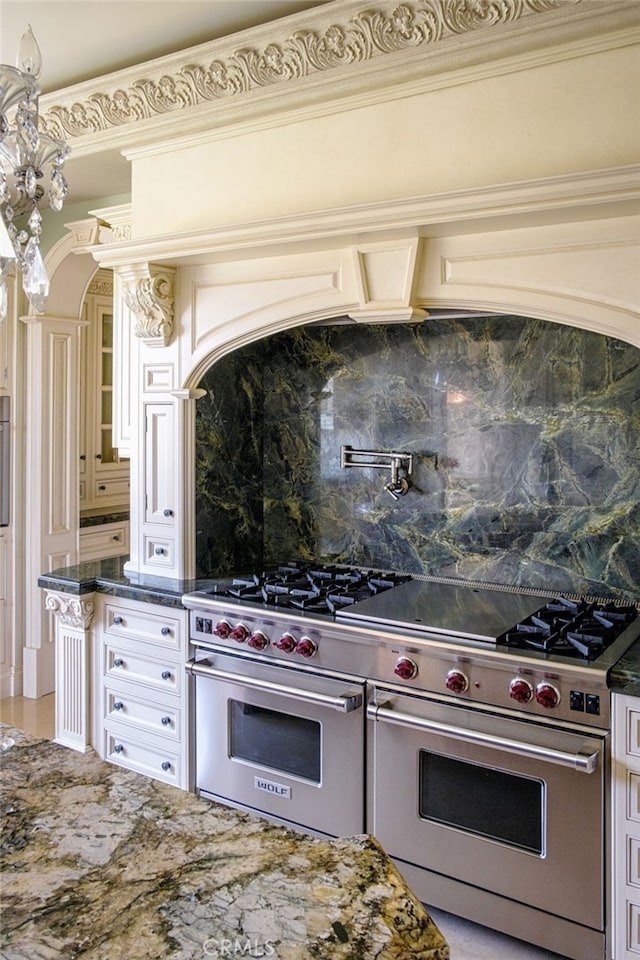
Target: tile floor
(468,941)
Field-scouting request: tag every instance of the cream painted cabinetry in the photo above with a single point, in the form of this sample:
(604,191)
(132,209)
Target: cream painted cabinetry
(626,827)
(142,710)
(103,540)
(104,476)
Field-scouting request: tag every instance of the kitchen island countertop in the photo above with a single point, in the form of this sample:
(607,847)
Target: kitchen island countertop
(100,863)
(624,676)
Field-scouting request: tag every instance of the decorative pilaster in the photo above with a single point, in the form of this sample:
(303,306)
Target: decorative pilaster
(149,294)
(73,618)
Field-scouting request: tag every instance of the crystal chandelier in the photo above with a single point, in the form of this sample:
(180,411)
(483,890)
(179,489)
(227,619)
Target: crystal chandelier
(25,152)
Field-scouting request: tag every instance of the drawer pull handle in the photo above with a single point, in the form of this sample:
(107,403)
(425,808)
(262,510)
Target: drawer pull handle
(166,765)
(118,705)
(166,631)
(166,675)
(116,536)
(165,721)
(159,551)
(102,487)
(167,513)
(118,621)
(118,748)
(118,662)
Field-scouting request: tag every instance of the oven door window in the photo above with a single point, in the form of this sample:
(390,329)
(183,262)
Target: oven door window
(279,741)
(489,803)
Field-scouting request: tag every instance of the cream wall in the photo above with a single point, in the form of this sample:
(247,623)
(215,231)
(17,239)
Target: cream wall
(541,121)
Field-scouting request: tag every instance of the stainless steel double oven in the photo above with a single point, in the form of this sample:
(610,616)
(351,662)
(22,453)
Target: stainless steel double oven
(482,768)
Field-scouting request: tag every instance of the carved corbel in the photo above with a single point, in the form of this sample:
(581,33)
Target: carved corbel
(149,294)
(70,611)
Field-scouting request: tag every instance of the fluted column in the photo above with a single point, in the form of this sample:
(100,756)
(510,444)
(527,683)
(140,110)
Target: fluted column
(73,620)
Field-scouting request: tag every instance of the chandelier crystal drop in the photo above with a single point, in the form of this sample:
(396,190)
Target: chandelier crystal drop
(25,153)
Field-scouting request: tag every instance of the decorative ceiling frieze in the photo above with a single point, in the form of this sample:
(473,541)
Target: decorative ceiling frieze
(177,83)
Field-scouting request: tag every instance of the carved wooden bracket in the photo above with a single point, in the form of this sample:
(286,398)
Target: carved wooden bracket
(149,294)
(71,611)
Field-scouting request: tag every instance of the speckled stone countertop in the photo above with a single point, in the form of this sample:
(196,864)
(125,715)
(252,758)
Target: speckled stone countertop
(624,677)
(100,863)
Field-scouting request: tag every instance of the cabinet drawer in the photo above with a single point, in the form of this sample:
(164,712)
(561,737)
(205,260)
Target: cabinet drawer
(134,623)
(107,540)
(159,551)
(130,708)
(113,489)
(152,760)
(122,664)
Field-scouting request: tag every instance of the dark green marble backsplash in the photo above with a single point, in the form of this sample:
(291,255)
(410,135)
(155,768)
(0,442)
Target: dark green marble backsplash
(525,436)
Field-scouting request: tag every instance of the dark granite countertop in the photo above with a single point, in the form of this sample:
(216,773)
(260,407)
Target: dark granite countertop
(103,863)
(108,576)
(101,519)
(624,677)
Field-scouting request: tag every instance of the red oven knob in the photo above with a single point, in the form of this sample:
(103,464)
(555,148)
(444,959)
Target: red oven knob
(306,647)
(520,690)
(406,668)
(456,681)
(239,633)
(547,695)
(286,643)
(258,640)
(222,629)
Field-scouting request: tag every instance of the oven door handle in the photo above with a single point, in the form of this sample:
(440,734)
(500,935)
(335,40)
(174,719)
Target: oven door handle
(583,760)
(344,702)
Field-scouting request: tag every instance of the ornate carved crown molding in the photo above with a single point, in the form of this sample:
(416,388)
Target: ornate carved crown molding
(342,36)
(149,294)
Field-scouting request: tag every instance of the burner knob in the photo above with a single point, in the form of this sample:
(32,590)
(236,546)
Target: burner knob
(306,647)
(239,633)
(222,629)
(520,690)
(456,682)
(547,695)
(286,643)
(406,668)
(258,640)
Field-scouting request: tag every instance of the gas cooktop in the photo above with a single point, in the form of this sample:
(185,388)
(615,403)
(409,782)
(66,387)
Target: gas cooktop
(307,587)
(537,625)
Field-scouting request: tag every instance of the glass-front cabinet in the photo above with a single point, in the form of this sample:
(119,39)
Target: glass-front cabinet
(104,476)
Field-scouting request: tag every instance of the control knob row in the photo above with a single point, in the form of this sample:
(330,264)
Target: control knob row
(520,690)
(257,640)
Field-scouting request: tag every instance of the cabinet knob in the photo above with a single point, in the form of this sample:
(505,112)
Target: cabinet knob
(98,456)
(159,551)
(116,537)
(118,620)
(118,662)
(166,675)
(102,487)
(165,721)
(166,631)
(118,705)
(118,748)
(166,765)
(167,512)
(83,456)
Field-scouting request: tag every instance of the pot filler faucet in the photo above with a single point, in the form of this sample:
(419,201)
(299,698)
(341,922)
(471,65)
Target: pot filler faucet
(395,462)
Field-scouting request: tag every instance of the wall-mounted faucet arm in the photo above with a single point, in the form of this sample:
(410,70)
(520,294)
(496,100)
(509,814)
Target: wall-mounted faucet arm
(398,485)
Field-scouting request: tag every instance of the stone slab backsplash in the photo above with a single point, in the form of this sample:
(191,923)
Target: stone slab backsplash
(525,438)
